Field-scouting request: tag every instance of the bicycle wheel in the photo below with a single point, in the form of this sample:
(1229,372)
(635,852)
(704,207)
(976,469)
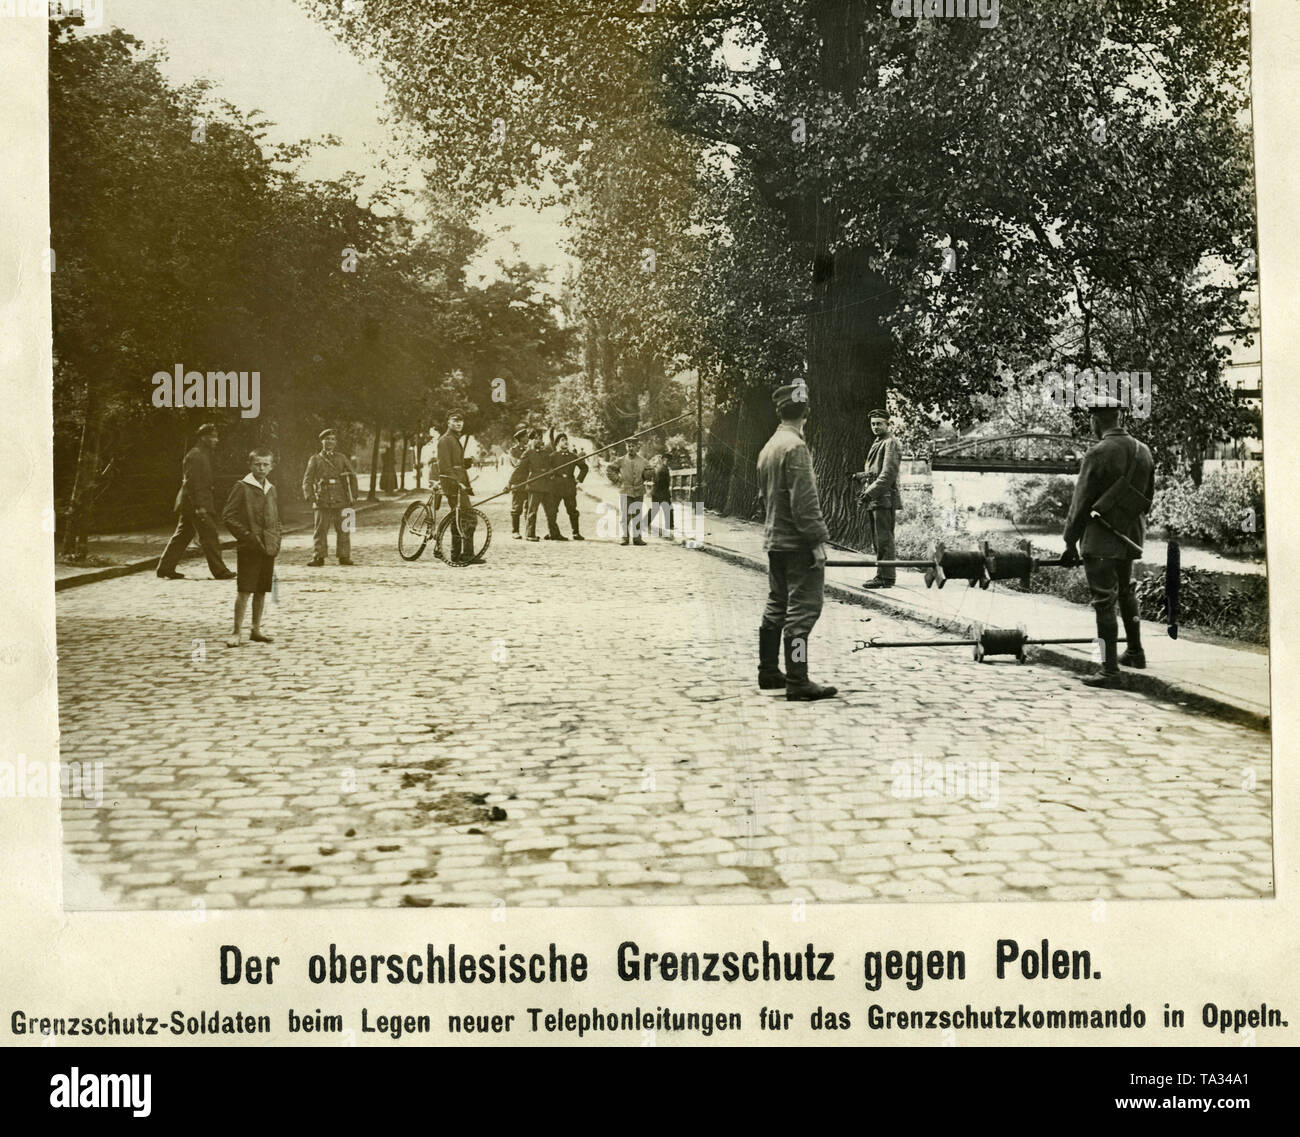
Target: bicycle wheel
(471,532)
(417,528)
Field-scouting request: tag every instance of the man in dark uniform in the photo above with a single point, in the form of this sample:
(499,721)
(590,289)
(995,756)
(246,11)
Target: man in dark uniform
(518,497)
(794,536)
(454,478)
(570,470)
(197,511)
(882,496)
(329,484)
(536,468)
(1116,481)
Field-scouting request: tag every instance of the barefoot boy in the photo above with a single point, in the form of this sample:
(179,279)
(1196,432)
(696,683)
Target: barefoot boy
(253,516)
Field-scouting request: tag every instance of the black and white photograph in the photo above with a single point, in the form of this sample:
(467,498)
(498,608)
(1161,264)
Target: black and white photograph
(575,453)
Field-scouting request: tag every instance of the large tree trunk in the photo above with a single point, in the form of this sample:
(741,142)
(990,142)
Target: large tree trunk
(401,484)
(81,501)
(848,377)
(719,457)
(375,472)
(755,421)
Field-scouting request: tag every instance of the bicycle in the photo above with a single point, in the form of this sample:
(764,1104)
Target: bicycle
(420,525)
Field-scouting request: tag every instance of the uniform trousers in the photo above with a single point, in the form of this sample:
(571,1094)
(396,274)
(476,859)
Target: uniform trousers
(794,591)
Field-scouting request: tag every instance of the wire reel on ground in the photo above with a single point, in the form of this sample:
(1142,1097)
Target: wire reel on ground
(463,531)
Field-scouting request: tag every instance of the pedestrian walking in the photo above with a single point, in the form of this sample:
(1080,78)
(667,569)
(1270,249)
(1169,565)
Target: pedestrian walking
(881,496)
(330,484)
(454,479)
(630,473)
(252,515)
(661,498)
(794,537)
(1116,482)
(196,511)
(518,494)
(570,471)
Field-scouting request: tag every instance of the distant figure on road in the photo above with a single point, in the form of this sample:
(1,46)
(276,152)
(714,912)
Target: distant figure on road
(570,471)
(454,478)
(330,484)
(536,468)
(253,516)
(388,468)
(794,536)
(630,474)
(518,496)
(661,499)
(197,512)
(1117,481)
(882,496)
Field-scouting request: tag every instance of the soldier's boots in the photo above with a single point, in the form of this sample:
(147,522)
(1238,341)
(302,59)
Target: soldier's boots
(770,675)
(1135,658)
(798,687)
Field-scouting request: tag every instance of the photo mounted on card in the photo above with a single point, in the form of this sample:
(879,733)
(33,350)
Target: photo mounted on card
(655,453)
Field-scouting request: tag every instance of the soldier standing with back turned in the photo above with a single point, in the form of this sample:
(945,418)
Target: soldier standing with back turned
(794,536)
(1117,482)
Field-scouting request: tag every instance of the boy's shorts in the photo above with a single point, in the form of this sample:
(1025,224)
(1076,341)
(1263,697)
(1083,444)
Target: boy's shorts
(255,569)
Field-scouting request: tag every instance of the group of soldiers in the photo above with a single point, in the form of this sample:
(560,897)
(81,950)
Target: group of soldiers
(547,472)
(1104,532)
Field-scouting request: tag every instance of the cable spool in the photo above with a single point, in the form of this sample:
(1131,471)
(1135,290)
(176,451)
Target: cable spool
(959,564)
(1014,564)
(999,641)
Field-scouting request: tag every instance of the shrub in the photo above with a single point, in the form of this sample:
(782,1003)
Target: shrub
(994,509)
(923,521)
(1218,511)
(1041,501)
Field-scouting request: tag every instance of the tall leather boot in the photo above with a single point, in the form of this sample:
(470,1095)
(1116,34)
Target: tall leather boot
(798,687)
(1108,633)
(1133,655)
(770,676)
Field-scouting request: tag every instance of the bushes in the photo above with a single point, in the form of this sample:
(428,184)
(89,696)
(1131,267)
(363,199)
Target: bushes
(1239,610)
(1218,511)
(921,522)
(1235,606)
(1041,501)
(994,509)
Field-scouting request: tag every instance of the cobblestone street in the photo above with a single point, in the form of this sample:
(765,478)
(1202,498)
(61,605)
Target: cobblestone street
(578,724)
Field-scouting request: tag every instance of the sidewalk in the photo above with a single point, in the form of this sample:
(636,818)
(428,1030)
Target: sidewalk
(139,551)
(1231,682)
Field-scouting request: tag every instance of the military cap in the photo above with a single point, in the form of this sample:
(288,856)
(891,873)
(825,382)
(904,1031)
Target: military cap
(521,432)
(790,394)
(878,413)
(556,436)
(328,432)
(207,428)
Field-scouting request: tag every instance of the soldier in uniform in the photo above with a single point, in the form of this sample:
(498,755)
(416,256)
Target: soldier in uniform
(197,511)
(454,478)
(570,471)
(536,468)
(881,495)
(1117,482)
(518,497)
(794,537)
(330,484)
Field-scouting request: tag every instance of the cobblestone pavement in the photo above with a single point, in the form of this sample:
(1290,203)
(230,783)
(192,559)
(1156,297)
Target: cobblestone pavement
(578,724)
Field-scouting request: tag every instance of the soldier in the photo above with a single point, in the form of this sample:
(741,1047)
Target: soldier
(330,484)
(881,496)
(571,470)
(794,536)
(197,512)
(536,469)
(454,478)
(1117,482)
(518,497)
